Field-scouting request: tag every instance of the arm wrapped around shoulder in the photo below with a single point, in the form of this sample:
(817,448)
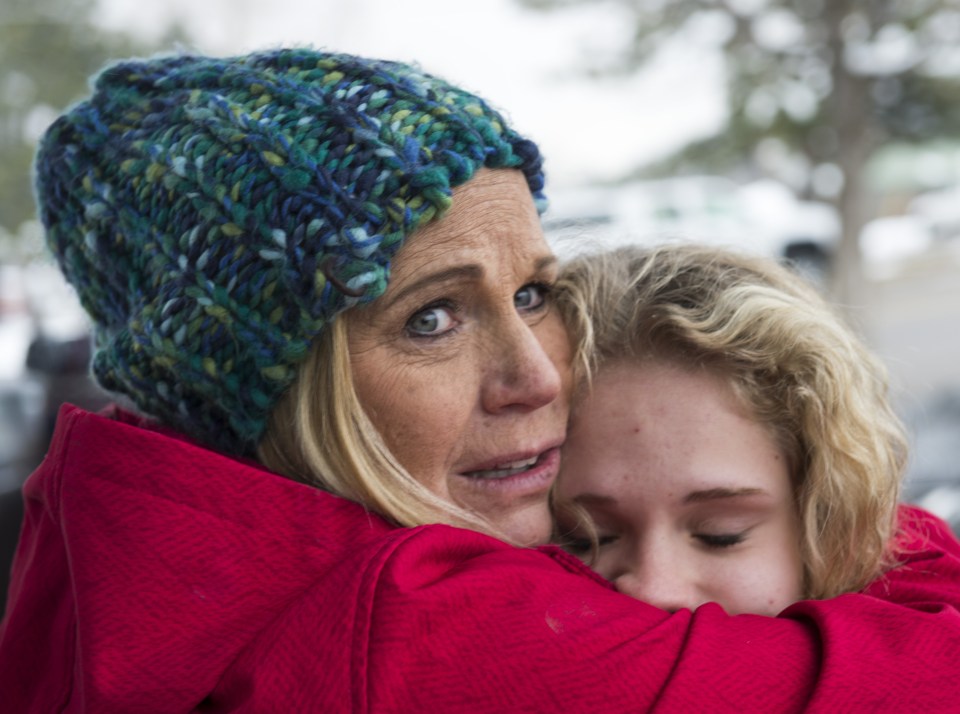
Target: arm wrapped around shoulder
(458,621)
(443,619)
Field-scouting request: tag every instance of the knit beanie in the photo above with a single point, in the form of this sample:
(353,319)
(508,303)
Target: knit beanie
(214,214)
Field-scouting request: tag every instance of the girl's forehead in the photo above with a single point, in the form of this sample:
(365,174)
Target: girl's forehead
(665,430)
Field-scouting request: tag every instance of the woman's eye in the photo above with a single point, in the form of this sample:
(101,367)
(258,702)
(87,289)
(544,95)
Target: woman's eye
(431,322)
(531,296)
(720,540)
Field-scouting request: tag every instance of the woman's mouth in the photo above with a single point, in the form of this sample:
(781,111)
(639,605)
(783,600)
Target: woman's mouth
(505,470)
(528,473)
(511,490)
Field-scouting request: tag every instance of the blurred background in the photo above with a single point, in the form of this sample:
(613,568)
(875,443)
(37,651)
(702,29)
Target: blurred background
(823,132)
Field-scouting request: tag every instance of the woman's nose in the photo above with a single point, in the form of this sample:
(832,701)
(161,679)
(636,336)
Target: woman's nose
(521,373)
(659,580)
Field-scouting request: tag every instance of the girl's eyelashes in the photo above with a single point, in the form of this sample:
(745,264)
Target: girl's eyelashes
(711,540)
(577,546)
(584,546)
(432,321)
(720,540)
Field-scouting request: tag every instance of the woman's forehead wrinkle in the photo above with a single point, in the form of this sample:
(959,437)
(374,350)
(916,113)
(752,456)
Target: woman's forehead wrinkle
(456,242)
(431,256)
(485,219)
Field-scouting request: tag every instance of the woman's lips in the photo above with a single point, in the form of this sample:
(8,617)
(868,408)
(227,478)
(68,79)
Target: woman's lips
(529,471)
(506,469)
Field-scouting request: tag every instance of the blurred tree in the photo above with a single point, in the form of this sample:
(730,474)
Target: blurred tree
(48,49)
(822,82)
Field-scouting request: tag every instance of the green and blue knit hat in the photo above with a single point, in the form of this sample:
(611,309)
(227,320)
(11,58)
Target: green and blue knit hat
(215,214)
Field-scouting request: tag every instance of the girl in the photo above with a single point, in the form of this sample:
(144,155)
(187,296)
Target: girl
(736,445)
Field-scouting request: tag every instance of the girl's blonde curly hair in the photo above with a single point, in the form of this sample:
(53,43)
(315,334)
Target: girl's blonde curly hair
(793,362)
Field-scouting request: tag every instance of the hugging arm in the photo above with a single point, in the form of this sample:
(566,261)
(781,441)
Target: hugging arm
(443,619)
(517,631)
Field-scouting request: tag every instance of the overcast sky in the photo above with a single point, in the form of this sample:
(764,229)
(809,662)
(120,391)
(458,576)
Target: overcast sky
(525,63)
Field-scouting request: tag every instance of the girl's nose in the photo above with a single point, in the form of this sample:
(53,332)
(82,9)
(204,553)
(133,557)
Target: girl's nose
(658,578)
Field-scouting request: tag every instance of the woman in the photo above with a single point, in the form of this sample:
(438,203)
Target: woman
(736,445)
(231,227)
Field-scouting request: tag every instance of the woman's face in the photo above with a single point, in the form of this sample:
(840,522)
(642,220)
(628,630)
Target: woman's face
(463,364)
(690,496)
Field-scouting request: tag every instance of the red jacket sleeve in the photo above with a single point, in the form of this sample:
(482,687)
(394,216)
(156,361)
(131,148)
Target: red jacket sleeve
(456,625)
(928,563)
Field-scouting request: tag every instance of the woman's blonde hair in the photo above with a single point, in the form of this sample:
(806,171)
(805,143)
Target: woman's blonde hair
(319,434)
(794,364)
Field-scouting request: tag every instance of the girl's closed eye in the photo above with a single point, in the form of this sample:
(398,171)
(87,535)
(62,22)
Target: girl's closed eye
(577,546)
(719,541)
(583,546)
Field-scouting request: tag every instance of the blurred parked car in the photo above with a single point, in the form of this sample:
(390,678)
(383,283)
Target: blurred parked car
(763,216)
(940,210)
(22,429)
(44,361)
(63,366)
(887,242)
(16,321)
(930,223)
(933,478)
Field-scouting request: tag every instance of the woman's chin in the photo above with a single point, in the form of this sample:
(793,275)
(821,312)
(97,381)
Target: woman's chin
(529,526)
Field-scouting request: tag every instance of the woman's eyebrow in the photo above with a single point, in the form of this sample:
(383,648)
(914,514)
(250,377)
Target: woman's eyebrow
(457,273)
(714,494)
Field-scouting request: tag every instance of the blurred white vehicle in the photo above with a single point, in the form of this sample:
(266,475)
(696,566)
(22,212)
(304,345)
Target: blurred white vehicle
(940,210)
(762,216)
(41,321)
(886,243)
(933,480)
(16,322)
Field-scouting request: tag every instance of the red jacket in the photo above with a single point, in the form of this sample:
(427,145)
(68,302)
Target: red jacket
(156,576)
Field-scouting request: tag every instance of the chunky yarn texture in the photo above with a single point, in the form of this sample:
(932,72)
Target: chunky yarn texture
(215,214)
